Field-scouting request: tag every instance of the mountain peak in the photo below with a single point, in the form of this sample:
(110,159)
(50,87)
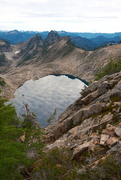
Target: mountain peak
(52,38)
(37,39)
(53,33)
(14,32)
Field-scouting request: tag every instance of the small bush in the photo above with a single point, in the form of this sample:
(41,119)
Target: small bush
(107,169)
(2,82)
(110,68)
(56,164)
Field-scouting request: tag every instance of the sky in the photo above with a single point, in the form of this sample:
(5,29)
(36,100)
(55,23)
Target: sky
(68,15)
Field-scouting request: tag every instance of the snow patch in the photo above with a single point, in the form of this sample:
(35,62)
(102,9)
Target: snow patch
(17,52)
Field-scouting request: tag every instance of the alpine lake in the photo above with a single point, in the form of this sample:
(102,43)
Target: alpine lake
(46,94)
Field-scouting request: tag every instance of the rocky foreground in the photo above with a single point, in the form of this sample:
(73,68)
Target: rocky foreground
(92,123)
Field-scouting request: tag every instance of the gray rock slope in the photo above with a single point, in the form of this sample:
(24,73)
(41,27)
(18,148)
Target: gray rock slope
(92,122)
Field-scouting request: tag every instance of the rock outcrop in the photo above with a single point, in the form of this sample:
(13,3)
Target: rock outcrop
(93,122)
(29,49)
(5,47)
(52,38)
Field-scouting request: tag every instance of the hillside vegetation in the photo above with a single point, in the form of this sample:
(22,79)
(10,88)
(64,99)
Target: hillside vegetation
(17,139)
(110,68)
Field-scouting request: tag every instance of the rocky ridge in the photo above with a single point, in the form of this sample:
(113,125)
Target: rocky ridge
(92,123)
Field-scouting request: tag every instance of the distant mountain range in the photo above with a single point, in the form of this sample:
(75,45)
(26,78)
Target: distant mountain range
(35,48)
(38,50)
(87,41)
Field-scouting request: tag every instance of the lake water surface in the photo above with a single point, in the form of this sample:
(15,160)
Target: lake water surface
(46,94)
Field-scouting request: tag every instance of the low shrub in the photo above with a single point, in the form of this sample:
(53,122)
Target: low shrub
(110,68)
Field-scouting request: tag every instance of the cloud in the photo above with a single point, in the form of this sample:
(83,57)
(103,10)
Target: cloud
(84,15)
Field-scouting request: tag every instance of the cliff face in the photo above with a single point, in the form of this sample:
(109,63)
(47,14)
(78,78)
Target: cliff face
(93,122)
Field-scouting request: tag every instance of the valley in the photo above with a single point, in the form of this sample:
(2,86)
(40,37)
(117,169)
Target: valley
(37,58)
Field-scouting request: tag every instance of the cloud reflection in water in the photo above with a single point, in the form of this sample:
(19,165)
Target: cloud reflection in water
(46,94)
